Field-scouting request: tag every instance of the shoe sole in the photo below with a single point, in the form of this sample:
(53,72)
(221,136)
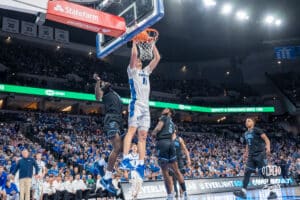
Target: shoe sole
(107,188)
(240,196)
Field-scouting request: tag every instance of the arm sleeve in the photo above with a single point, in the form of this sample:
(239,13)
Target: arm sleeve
(16,188)
(163,118)
(16,168)
(258,131)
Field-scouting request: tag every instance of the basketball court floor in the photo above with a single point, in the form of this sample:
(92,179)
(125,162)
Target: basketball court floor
(283,194)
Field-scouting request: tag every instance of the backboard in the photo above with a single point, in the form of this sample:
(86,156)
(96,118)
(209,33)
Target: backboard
(138,14)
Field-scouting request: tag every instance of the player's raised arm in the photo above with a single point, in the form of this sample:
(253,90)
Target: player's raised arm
(156,58)
(134,55)
(98,91)
(186,151)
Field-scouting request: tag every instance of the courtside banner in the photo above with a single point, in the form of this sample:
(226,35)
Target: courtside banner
(85,18)
(156,189)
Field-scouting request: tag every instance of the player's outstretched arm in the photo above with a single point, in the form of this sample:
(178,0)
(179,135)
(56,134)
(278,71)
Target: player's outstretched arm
(134,55)
(156,58)
(98,90)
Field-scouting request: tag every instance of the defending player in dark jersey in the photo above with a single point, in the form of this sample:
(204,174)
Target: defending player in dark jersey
(113,126)
(179,148)
(257,148)
(166,152)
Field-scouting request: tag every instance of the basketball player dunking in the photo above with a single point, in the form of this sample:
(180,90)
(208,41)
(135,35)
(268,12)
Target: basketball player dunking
(113,125)
(139,114)
(166,152)
(257,149)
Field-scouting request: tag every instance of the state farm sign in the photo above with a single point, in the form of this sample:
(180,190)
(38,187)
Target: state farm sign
(76,13)
(85,18)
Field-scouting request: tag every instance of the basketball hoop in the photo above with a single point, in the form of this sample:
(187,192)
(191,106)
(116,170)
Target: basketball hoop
(145,42)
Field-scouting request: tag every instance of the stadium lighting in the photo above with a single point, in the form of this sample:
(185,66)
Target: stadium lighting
(242,15)
(209,3)
(269,19)
(8,40)
(278,22)
(226,9)
(67,109)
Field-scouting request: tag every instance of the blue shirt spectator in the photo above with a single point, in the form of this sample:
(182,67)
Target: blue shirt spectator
(3,176)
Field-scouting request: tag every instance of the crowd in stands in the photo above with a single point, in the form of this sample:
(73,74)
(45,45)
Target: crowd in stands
(75,150)
(75,71)
(289,83)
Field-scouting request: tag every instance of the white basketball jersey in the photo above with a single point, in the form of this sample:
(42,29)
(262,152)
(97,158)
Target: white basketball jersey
(139,83)
(41,164)
(134,158)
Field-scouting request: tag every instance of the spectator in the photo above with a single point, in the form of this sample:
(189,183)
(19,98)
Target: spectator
(3,176)
(11,190)
(49,191)
(25,167)
(80,188)
(69,191)
(59,187)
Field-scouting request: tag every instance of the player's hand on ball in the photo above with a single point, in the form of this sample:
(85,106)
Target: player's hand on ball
(96,77)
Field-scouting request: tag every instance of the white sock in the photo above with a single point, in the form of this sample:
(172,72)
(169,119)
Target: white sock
(141,162)
(170,196)
(107,175)
(125,156)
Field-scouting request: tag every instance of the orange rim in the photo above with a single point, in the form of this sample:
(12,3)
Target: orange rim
(148,35)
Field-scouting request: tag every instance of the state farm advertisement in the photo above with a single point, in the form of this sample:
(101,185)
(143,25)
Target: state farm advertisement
(85,18)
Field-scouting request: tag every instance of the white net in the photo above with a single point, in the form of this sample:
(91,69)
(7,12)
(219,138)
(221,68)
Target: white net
(146,50)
